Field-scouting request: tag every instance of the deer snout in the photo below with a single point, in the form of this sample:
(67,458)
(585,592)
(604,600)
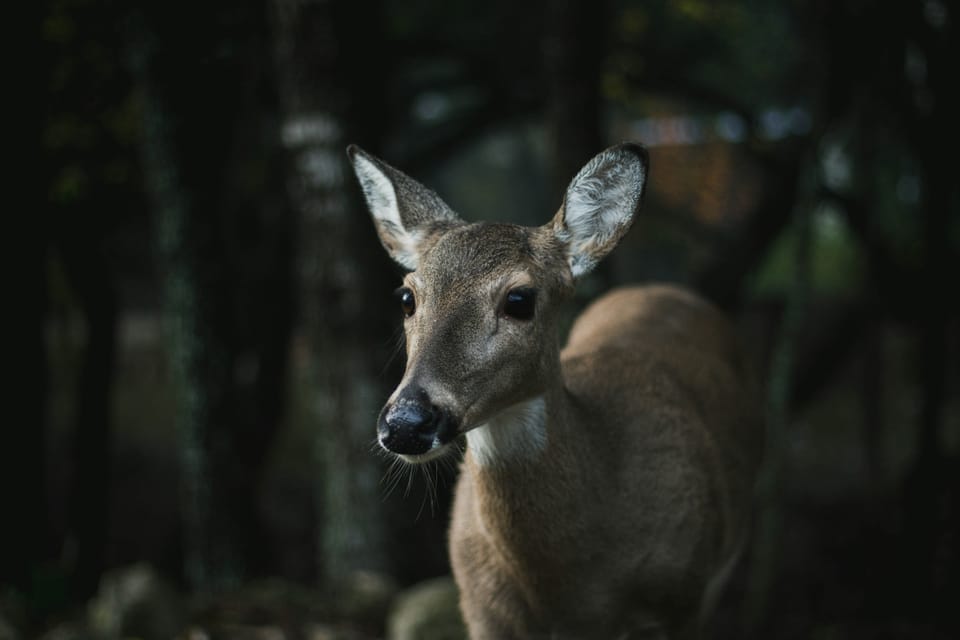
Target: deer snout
(412,425)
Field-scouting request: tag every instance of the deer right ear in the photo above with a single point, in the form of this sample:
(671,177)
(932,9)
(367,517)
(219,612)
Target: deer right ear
(600,205)
(404,211)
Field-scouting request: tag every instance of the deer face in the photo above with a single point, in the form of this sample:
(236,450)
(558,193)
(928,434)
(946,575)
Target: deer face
(481,300)
(480,332)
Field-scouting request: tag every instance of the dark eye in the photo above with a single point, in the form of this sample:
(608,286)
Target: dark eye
(520,303)
(408,303)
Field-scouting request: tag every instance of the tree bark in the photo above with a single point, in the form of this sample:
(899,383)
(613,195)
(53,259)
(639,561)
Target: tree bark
(26,531)
(221,269)
(93,281)
(574,47)
(325,86)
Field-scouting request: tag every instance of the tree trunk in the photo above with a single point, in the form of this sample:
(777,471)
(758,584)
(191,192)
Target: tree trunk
(770,515)
(91,277)
(337,277)
(574,48)
(26,532)
(199,86)
(931,492)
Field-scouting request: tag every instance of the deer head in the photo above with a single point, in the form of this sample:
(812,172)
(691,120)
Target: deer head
(481,300)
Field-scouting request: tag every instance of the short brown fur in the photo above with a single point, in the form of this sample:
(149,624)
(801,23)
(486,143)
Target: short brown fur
(641,495)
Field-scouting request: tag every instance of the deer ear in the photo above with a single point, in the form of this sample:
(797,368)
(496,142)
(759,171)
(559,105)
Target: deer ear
(404,211)
(600,205)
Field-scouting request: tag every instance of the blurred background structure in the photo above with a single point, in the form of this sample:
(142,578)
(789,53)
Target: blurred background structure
(204,331)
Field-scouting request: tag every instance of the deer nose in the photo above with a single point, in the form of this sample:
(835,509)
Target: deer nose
(412,425)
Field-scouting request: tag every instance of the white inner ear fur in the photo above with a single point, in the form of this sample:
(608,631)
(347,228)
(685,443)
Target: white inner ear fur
(600,202)
(517,432)
(382,200)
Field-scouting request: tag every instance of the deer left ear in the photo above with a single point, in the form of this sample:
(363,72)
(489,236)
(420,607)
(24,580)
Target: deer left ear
(404,211)
(600,205)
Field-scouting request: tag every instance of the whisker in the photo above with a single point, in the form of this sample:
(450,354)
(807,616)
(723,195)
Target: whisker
(424,469)
(399,341)
(432,479)
(449,467)
(409,471)
(393,476)
(388,481)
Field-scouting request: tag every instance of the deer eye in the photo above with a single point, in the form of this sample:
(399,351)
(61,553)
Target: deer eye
(520,303)
(408,303)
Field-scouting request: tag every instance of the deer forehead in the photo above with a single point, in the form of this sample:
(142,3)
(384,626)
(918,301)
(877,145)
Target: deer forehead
(489,256)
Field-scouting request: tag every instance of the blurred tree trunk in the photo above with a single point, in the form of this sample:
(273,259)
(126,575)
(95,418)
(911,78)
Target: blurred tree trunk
(574,48)
(197,353)
(23,483)
(765,560)
(222,268)
(25,529)
(932,487)
(91,277)
(327,84)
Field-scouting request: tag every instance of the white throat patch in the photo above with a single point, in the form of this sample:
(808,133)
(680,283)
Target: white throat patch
(519,431)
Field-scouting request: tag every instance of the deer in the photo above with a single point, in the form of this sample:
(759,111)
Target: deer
(605,486)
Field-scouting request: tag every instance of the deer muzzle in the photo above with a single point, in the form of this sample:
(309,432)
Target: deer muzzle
(412,425)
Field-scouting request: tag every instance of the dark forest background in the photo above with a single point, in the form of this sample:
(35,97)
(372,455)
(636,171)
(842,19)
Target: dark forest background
(203,327)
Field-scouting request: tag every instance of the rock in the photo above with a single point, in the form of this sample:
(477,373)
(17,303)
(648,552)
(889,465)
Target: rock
(427,611)
(134,602)
(13,614)
(365,596)
(66,631)
(7,632)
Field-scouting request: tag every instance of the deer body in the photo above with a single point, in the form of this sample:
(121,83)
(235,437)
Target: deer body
(605,488)
(633,510)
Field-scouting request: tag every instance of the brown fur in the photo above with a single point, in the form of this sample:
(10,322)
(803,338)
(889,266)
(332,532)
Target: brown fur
(642,493)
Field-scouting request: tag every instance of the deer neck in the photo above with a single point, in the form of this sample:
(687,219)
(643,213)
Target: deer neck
(516,435)
(526,447)
(530,441)
(520,435)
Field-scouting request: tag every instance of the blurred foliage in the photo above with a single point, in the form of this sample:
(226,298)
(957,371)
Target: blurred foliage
(92,112)
(756,52)
(838,262)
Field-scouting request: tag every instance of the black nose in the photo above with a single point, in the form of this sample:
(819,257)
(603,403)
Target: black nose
(411,425)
